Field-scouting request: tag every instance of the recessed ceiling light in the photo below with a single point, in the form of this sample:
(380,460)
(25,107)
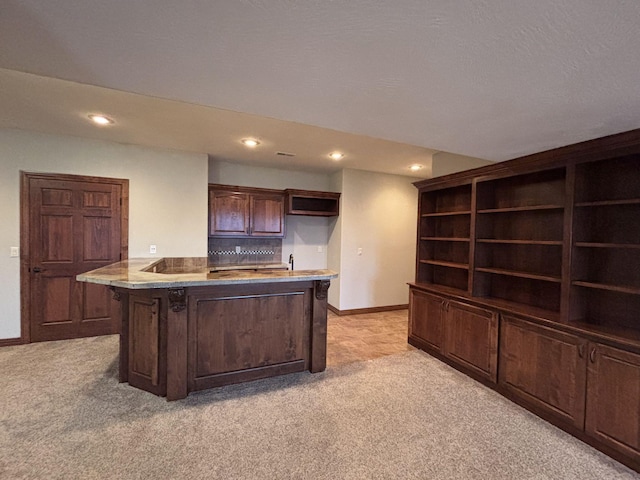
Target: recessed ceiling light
(250,142)
(415,168)
(101,119)
(336,155)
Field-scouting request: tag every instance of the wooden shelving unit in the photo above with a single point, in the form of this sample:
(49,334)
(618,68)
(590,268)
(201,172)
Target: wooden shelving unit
(444,237)
(312,203)
(519,231)
(605,273)
(549,245)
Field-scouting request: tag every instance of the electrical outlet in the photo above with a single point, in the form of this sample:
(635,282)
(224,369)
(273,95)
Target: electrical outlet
(359,252)
(238,249)
(15,252)
(152,249)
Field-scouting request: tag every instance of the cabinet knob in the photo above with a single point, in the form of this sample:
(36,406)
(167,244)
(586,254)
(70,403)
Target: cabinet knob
(581,351)
(592,355)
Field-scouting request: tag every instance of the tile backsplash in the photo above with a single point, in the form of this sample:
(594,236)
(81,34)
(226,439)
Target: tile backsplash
(244,251)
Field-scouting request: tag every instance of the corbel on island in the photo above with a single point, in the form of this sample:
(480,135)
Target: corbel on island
(185,327)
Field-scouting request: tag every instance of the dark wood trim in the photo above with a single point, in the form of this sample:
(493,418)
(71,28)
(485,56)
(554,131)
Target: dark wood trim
(10,342)
(620,144)
(358,311)
(247,375)
(472,234)
(567,241)
(177,344)
(424,346)
(25,177)
(318,354)
(239,189)
(566,426)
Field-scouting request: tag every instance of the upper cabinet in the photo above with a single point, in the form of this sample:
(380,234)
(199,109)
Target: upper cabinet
(313,203)
(243,212)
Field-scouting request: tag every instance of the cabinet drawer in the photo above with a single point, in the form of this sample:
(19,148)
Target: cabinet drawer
(545,367)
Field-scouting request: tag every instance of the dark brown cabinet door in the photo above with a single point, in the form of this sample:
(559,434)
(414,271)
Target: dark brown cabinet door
(74,227)
(146,368)
(545,367)
(426,319)
(228,213)
(613,398)
(264,330)
(267,215)
(472,338)
(240,213)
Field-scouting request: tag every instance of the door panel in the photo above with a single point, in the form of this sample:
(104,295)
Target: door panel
(229,213)
(258,331)
(426,314)
(74,225)
(267,215)
(613,398)
(57,238)
(472,338)
(54,289)
(96,301)
(544,367)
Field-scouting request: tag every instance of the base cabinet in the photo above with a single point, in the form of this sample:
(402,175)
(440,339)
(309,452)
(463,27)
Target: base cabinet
(613,399)
(464,334)
(471,338)
(426,320)
(589,389)
(544,367)
(179,340)
(598,391)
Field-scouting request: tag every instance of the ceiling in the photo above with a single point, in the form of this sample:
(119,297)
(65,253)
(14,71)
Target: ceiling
(389,83)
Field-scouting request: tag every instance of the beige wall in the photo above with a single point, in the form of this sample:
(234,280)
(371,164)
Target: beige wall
(444,163)
(168,198)
(306,237)
(378,215)
(334,248)
(168,208)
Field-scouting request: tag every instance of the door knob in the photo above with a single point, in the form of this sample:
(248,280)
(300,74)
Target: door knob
(36,269)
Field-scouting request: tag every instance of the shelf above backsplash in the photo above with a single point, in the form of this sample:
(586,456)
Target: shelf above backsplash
(312,203)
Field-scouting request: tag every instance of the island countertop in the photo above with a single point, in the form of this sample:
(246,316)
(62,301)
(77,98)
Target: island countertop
(144,273)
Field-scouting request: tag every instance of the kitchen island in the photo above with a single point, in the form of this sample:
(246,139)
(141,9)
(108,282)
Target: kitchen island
(186,327)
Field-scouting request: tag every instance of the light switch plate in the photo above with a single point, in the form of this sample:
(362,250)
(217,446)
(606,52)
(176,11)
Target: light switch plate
(15,252)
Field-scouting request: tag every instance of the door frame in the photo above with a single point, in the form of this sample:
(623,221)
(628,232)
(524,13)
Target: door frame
(25,254)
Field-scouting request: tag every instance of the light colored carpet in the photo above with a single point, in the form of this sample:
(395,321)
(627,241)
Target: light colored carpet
(64,415)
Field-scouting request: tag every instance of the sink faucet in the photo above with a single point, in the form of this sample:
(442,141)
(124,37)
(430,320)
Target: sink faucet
(291,260)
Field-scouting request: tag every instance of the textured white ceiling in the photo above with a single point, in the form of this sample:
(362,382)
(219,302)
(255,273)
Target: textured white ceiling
(493,79)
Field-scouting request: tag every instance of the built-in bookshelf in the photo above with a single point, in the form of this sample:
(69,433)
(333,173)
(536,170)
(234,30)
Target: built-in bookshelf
(504,238)
(605,274)
(530,270)
(444,237)
(519,238)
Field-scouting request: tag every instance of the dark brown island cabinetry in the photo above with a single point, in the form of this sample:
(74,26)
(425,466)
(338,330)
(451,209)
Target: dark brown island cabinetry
(545,250)
(184,328)
(243,212)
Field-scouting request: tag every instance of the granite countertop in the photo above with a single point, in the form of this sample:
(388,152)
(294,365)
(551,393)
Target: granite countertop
(142,273)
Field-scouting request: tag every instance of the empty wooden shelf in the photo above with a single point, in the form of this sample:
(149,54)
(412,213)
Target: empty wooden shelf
(548,245)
